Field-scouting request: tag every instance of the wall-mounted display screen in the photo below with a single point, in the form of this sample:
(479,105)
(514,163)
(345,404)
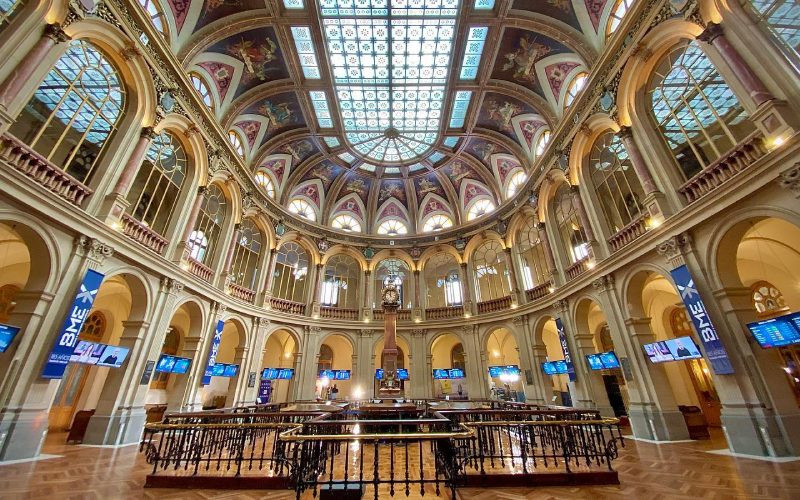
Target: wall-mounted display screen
(230,371)
(181,365)
(494,371)
(7,334)
(441,374)
(269,373)
(166,363)
(218,370)
(777,332)
(549,368)
(594,361)
(402,374)
(91,353)
(379,374)
(672,350)
(603,360)
(456,373)
(285,373)
(497,371)
(561,366)
(113,356)
(335,374)
(328,374)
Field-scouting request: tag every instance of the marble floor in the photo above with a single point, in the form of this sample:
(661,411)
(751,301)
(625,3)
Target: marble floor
(646,471)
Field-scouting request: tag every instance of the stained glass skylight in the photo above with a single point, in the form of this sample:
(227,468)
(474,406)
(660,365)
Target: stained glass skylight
(305,51)
(347,157)
(332,142)
(390,61)
(476,37)
(484,4)
(450,141)
(460,106)
(321,109)
(293,4)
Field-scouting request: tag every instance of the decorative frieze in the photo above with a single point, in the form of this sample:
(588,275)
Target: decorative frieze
(675,248)
(790,179)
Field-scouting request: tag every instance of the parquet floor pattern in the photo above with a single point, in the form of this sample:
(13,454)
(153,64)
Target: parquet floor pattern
(647,471)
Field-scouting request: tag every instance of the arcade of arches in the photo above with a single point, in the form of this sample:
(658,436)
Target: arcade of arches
(539,181)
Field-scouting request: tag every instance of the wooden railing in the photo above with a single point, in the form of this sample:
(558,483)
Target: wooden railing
(493,305)
(637,227)
(734,161)
(141,233)
(44,173)
(577,269)
(242,293)
(538,292)
(338,313)
(200,270)
(444,312)
(402,314)
(287,306)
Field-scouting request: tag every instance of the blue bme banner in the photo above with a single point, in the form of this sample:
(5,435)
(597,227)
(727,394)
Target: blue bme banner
(715,351)
(68,335)
(212,354)
(562,337)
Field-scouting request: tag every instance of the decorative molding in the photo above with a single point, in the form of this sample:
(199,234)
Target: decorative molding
(171,285)
(366,332)
(675,248)
(418,332)
(56,33)
(94,249)
(604,283)
(790,179)
(561,306)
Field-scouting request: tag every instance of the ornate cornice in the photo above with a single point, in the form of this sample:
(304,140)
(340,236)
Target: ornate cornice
(675,248)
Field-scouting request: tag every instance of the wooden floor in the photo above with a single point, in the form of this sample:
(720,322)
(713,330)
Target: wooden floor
(646,471)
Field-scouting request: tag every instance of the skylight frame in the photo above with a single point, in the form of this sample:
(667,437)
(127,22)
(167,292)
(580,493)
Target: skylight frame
(304,44)
(458,114)
(473,52)
(319,101)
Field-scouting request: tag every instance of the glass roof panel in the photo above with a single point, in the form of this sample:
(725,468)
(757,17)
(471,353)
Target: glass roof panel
(460,106)
(473,50)
(390,61)
(305,51)
(321,109)
(484,4)
(332,142)
(293,4)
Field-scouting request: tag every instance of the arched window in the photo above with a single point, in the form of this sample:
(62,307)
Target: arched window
(568,224)
(8,295)
(615,182)
(325,358)
(7,10)
(531,254)
(457,358)
(346,223)
(303,209)
(574,88)
(236,140)
(391,271)
(74,111)
(203,239)
(491,272)
(617,15)
(518,178)
(696,111)
(480,208)
(291,273)
(392,227)
(767,299)
(341,282)
(156,15)
(263,180)
(94,328)
(436,222)
(541,143)
(782,19)
(201,88)
(155,191)
(247,255)
(442,281)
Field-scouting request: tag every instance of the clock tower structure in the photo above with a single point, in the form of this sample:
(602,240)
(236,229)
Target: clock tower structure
(390,385)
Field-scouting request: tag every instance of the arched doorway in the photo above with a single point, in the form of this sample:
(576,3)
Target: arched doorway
(280,351)
(335,354)
(221,391)
(502,356)
(448,368)
(558,383)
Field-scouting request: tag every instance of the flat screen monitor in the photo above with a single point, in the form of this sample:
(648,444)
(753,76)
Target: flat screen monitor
(218,370)
(379,374)
(402,374)
(511,369)
(181,365)
(440,373)
(595,363)
(285,373)
(341,375)
(456,373)
(672,350)
(561,366)
(549,368)
(269,373)
(7,334)
(494,371)
(113,356)
(166,363)
(328,374)
(87,352)
(230,370)
(777,332)
(609,360)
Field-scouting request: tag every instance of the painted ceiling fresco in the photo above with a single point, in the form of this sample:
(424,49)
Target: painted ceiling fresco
(274,82)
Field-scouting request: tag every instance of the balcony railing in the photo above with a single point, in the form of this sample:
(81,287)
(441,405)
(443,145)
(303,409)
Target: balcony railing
(44,173)
(538,292)
(494,305)
(736,160)
(637,227)
(141,233)
(338,313)
(242,293)
(402,314)
(287,306)
(200,270)
(577,269)
(444,312)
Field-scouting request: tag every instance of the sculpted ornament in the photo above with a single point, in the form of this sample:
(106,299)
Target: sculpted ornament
(790,180)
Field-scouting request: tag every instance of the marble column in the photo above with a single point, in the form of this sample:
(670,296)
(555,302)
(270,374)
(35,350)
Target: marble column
(234,242)
(637,160)
(512,275)
(548,253)
(466,287)
(582,214)
(183,248)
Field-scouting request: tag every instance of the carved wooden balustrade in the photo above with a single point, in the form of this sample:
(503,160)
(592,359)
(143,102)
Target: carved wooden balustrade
(636,228)
(287,306)
(493,305)
(444,312)
(577,269)
(142,234)
(200,270)
(402,314)
(538,292)
(242,293)
(338,313)
(734,161)
(42,171)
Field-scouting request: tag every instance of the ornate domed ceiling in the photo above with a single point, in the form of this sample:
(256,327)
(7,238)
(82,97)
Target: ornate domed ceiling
(387,116)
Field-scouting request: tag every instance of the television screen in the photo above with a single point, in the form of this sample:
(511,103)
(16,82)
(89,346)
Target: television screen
(561,366)
(595,363)
(609,359)
(328,374)
(269,373)
(285,373)
(230,370)
(494,371)
(7,333)
(777,332)
(549,368)
(512,369)
(218,370)
(181,365)
(402,374)
(456,373)
(379,374)
(672,350)
(166,363)
(113,356)
(440,373)
(82,352)
(341,375)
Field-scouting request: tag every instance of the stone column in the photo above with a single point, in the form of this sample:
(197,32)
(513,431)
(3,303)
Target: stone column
(548,253)
(581,396)
(583,215)
(227,265)
(526,364)
(544,383)
(512,274)
(236,385)
(23,73)
(183,248)
(366,303)
(270,278)
(116,202)
(260,326)
(417,305)
(316,300)
(476,377)
(194,393)
(179,390)
(418,382)
(654,201)
(466,286)
(365,374)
